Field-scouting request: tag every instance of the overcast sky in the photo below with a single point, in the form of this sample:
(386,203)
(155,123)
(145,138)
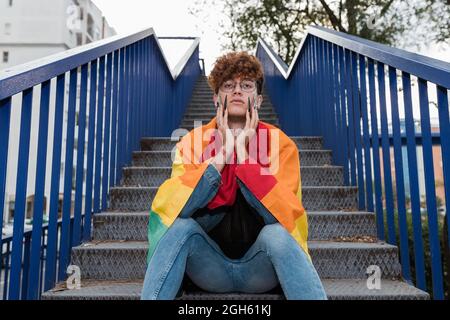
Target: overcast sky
(171,18)
(168,18)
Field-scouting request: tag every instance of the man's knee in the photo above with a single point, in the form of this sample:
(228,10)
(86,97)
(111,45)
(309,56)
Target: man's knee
(275,238)
(185,226)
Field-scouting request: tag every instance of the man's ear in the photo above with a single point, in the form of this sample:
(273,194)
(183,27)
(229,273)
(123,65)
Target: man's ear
(260,100)
(215,99)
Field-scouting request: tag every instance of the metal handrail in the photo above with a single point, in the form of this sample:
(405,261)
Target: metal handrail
(427,68)
(18,78)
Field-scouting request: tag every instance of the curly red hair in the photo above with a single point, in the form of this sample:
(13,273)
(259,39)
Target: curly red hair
(236,64)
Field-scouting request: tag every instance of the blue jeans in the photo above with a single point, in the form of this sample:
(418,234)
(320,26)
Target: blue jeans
(275,257)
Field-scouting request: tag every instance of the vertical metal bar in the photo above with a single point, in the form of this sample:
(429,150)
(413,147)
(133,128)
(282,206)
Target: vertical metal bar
(139,116)
(147,85)
(42,260)
(133,99)
(39,193)
(128,104)
(339,120)
(357,126)
(50,262)
(64,243)
(320,97)
(90,151)
(314,82)
(337,100)
(76,236)
(330,114)
(99,139)
(401,204)
(114,139)
(376,152)
(414,183)
(21,192)
(430,190)
(444,128)
(26,266)
(121,115)
(105,178)
(344,131)
(366,134)
(308,89)
(5,119)
(386,156)
(6,272)
(351,117)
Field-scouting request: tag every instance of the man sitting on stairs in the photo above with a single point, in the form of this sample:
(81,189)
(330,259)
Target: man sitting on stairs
(230,217)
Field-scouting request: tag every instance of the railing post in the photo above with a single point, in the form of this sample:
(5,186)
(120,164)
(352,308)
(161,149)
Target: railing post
(88,206)
(21,189)
(400,187)
(366,134)
(357,129)
(430,190)
(386,156)
(107,133)
(376,151)
(414,184)
(5,118)
(99,135)
(76,235)
(36,236)
(50,263)
(64,243)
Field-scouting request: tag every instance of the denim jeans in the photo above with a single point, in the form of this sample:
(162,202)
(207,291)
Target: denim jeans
(274,258)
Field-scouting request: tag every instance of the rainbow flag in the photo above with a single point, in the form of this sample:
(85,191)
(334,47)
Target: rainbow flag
(277,186)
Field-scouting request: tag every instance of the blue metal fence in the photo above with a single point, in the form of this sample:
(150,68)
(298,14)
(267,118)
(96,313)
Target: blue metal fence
(335,87)
(119,90)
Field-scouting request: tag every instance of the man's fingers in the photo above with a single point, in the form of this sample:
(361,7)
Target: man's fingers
(247,119)
(225,121)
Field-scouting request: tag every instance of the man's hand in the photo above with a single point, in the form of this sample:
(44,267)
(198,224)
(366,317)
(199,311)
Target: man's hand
(227,147)
(249,131)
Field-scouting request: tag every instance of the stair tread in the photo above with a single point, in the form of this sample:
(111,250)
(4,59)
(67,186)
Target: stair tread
(303,187)
(310,213)
(335,289)
(169,151)
(313,245)
(169,167)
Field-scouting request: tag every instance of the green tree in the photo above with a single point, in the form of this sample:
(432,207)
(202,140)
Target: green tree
(284,22)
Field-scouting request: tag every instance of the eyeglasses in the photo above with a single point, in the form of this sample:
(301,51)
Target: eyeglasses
(246,86)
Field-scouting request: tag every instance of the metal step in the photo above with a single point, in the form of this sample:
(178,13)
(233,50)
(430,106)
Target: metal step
(313,198)
(125,260)
(208,101)
(330,226)
(167,144)
(155,176)
(164,158)
(202,121)
(340,289)
(212,114)
(210,107)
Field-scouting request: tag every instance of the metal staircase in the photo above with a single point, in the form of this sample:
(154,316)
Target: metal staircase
(342,240)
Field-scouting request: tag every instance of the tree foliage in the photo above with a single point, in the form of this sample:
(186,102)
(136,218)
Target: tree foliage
(283,23)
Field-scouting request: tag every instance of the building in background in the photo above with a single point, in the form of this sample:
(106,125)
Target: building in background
(30,30)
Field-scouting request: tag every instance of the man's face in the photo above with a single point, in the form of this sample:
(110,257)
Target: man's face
(238,91)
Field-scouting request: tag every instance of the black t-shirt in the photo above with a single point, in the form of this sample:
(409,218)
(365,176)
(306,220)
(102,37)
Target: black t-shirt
(238,229)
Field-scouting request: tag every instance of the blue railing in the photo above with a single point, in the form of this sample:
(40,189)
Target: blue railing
(335,87)
(119,90)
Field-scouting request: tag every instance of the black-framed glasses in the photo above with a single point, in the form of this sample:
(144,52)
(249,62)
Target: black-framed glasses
(246,86)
